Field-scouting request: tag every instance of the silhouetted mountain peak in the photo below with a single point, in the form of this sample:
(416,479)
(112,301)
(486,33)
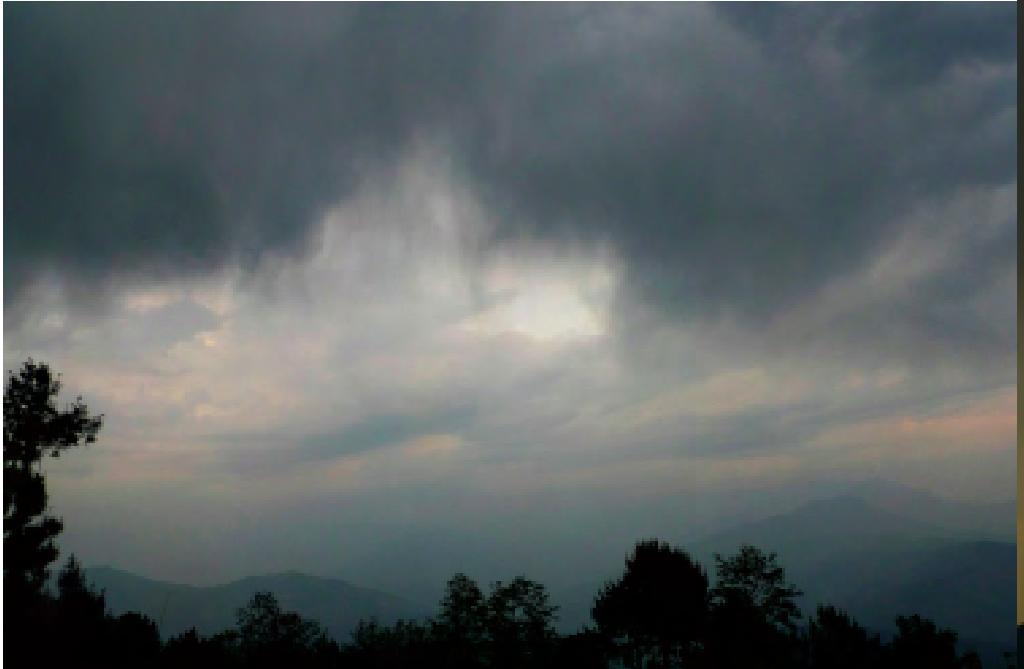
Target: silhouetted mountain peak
(834,522)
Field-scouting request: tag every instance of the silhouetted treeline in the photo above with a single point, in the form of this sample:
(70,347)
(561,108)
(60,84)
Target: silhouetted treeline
(663,612)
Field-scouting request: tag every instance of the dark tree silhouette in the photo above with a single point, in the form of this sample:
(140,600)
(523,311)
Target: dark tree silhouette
(88,635)
(656,613)
(134,640)
(520,624)
(650,618)
(753,619)
(268,636)
(80,615)
(919,644)
(461,626)
(513,627)
(587,649)
(192,649)
(836,641)
(972,660)
(74,594)
(404,644)
(758,579)
(34,427)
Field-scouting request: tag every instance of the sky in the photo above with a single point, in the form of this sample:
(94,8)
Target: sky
(347,278)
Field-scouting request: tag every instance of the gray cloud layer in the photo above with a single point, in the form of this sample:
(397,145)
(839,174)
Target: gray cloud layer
(735,157)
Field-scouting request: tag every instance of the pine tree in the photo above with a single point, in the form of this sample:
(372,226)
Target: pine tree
(34,427)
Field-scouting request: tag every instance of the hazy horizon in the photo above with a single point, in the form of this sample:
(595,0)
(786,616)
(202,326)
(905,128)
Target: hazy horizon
(580,571)
(348,279)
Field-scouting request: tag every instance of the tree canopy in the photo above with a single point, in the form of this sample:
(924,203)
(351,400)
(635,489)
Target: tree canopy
(33,427)
(656,613)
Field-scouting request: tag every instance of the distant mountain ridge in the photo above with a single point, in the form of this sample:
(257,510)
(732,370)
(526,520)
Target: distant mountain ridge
(878,563)
(977,520)
(862,554)
(874,562)
(335,604)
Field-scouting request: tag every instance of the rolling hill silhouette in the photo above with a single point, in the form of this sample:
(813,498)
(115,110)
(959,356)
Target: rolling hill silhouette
(856,554)
(335,604)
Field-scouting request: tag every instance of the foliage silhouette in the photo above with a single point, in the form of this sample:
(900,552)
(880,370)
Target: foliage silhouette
(919,644)
(404,644)
(753,613)
(520,624)
(34,427)
(80,613)
(586,649)
(86,633)
(268,636)
(461,627)
(836,641)
(136,639)
(190,648)
(756,579)
(656,614)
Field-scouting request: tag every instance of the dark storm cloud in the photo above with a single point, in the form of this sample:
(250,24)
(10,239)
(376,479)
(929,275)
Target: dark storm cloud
(734,158)
(905,43)
(732,172)
(913,44)
(172,140)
